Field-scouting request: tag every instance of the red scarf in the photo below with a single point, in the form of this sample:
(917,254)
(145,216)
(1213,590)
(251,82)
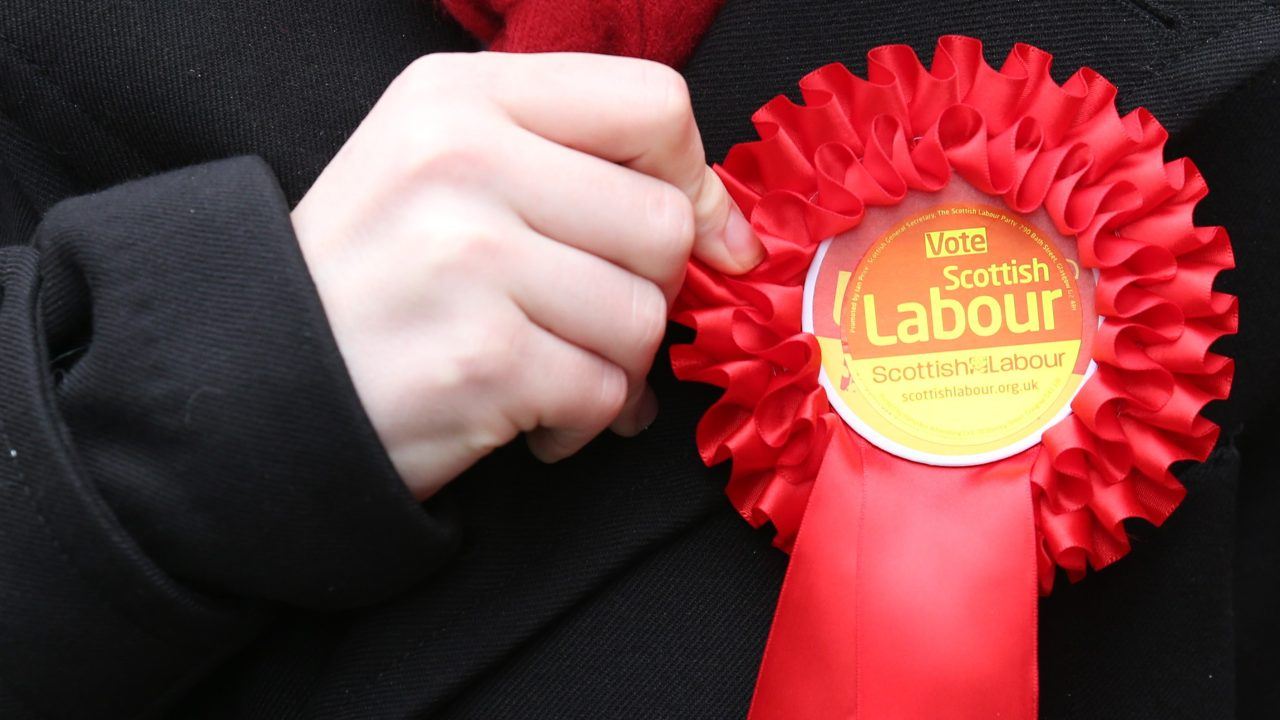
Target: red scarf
(662,30)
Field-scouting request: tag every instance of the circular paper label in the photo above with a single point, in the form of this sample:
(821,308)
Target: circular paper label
(953,330)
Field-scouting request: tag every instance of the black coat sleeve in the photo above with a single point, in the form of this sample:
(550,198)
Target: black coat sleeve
(181,449)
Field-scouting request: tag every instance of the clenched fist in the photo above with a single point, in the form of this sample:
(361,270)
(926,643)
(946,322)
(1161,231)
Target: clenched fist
(496,245)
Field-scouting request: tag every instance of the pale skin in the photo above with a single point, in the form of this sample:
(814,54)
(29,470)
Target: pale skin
(496,247)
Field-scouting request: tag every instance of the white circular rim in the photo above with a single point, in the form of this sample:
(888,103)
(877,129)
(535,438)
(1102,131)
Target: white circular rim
(889,445)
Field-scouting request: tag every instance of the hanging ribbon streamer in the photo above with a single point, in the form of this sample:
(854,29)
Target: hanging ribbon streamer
(911,593)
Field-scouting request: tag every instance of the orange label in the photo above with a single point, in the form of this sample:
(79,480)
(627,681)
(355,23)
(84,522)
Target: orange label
(954,333)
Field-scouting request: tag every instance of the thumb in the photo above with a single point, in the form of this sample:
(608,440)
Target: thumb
(724,238)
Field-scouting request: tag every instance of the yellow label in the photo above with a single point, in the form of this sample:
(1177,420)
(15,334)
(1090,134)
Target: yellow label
(954,334)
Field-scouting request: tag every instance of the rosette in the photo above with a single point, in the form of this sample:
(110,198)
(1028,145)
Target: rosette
(945,156)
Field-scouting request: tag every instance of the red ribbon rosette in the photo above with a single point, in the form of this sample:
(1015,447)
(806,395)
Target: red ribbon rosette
(926,495)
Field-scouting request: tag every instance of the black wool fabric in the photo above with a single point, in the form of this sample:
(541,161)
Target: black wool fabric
(171,469)
(197,520)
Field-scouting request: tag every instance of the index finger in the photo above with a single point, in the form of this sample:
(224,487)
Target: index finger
(633,112)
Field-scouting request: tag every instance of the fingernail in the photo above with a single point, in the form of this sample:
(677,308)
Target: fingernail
(648,410)
(542,444)
(744,247)
(638,415)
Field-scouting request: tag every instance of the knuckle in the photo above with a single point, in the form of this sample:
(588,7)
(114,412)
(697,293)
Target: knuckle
(437,71)
(464,251)
(448,151)
(671,100)
(480,368)
(648,315)
(483,355)
(485,426)
(671,216)
(611,393)
(458,163)
(488,434)
(713,202)
(457,137)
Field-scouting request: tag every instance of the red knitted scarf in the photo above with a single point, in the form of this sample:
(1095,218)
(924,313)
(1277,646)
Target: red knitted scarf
(662,30)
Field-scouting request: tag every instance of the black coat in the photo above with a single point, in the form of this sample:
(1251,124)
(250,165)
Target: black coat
(197,521)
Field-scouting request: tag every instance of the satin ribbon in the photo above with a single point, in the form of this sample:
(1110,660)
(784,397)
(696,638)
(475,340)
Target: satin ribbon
(911,594)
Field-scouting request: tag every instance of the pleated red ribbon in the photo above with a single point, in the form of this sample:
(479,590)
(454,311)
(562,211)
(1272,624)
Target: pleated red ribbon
(912,589)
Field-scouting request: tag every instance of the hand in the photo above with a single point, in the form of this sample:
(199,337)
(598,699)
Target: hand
(496,246)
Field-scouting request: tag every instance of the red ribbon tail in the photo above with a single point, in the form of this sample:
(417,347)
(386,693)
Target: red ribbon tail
(911,595)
